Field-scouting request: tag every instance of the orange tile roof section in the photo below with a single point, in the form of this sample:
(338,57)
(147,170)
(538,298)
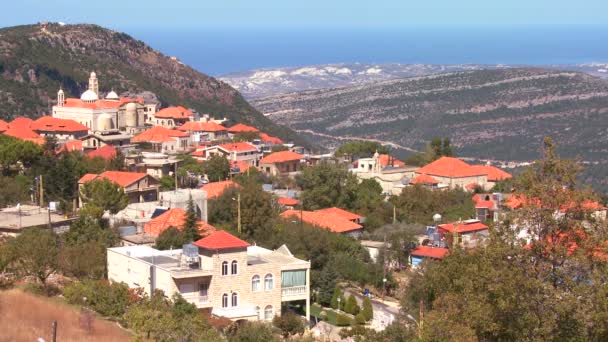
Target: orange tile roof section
(21,122)
(178,112)
(463,227)
(106,152)
(121,178)
(241,164)
(100,104)
(158,134)
(288,201)
(216,189)
(281,157)
(424,179)
(24,133)
(238,147)
(221,240)
(334,223)
(197,126)
(270,139)
(174,217)
(340,212)
(242,128)
(430,252)
(72,145)
(51,124)
(386,160)
(449,167)
(494,174)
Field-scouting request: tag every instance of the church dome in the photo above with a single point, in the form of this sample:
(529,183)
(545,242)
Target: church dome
(112,96)
(89,96)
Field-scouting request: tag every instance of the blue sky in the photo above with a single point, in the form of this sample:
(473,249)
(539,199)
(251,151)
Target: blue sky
(129,14)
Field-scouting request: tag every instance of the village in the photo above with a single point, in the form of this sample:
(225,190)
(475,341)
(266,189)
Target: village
(218,213)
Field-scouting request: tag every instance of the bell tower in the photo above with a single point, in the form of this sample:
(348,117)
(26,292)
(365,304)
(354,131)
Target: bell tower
(60,98)
(93,83)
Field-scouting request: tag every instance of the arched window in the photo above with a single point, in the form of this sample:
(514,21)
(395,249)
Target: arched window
(234,267)
(225,300)
(235,299)
(268,314)
(225,268)
(268,282)
(256,283)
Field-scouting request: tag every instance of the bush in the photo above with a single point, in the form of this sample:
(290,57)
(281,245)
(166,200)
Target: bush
(357,330)
(334,299)
(252,332)
(360,318)
(343,320)
(351,306)
(109,300)
(368,309)
(290,324)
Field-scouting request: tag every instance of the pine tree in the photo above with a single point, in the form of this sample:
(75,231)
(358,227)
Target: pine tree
(368,309)
(326,284)
(351,305)
(190,230)
(334,299)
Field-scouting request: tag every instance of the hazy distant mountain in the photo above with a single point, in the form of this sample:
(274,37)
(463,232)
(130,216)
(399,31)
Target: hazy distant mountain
(273,81)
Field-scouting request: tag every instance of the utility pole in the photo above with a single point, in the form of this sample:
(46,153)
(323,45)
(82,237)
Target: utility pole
(175,176)
(54,336)
(41,192)
(394,214)
(238,200)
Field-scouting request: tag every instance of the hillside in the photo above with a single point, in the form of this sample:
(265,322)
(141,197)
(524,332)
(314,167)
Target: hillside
(36,59)
(492,114)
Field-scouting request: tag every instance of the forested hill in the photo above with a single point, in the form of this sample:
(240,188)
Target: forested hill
(36,59)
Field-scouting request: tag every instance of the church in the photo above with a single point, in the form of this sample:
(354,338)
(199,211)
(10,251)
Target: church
(107,115)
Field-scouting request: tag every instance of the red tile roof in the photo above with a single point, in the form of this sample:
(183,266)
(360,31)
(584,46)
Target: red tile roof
(178,112)
(424,179)
(3,126)
(221,240)
(270,139)
(72,145)
(449,167)
(158,134)
(174,217)
(241,128)
(238,147)
(100,104)
(430,252)
(24,133)
(51,124)
(464,227)
(494,174)
(106,152)
(386,160)
(340,212)
(121,178)
(281,157)
(242,165)
(216,189)
(21,122)
(288,201)
(197,126)
(481,202)
(334,223)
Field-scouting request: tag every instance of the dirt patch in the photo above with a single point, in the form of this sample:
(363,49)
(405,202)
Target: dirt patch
(25,317)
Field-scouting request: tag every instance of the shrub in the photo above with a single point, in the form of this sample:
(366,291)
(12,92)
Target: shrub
(351,305)
(360,318)
(368,309)
(343,320)
(109,300)
(290,324)
(356,330)
(252,332)
(334,299)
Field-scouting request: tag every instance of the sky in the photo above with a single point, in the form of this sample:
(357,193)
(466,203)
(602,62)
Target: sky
(137,14)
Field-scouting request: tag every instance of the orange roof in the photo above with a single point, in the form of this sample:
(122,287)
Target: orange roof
(269,139)
(386,160)
(51,124)
(481,202)
(24,133)
(3,126)
(241,165)
(288,201)
(158,134)
(424,179)
(197,126)
(216,189)
(334,223)
(464,227)
(241,128)
(72,145)
(494,174)
(238,147)
(281,157)
(430,252)
(106,152)
(449,167)
(472,186)
(178,112)
(21,122)
(221,240)
(340,212)
(100,104)
(175,217)
(121,178)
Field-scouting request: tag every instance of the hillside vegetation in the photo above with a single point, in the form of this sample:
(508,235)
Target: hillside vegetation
(35,60)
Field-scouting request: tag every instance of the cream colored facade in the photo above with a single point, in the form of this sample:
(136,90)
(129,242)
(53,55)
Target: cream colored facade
(462,182)
(391,179)
(236,295)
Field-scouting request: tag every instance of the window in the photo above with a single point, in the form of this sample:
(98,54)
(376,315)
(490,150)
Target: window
(225,268)
(268,283)
(235,299)
(234,267)
(293,278)
(225,300)
(268,314)
(255,283)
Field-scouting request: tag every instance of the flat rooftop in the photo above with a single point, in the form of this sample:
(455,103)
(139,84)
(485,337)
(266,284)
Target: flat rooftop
(15,219)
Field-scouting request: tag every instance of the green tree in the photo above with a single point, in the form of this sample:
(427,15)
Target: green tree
(279,148)
(216,168)
(13,150)
(351,306)
(360,149)
(417,204)
(118,162)
(167,183)
(257,213)
(14,190)
(327,185)
(368,196)
(108,299)
(446,148)
(327,286)
(35,253)
(190,228)
(253,332)
(104,194)
(246,136)
(170,238)
(367,309)
(289,324)
(334,298)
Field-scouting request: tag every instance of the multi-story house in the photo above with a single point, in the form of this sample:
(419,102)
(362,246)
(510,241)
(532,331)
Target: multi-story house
(284,163)
(139,187)
(220,274)
(239,151)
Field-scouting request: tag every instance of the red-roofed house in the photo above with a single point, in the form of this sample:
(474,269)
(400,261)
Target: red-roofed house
(23,132)
(174,217)
(331,221)
(239,151)
(453,173)
(469,232)
(164,139)
(139,187)
(171,117)
(216,189)
(422,253)
(281,163)
(221,240)
(21,122)
(425,180)
(61,129)
(71,146)
(270,140)
(392,174)
(239,166)
(106,152)
(204,131)
(343,213)
(494,174)
(287,203)
(242,128)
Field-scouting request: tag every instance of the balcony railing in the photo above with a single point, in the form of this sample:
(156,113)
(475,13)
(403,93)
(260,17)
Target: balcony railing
(293,291)
(196,299)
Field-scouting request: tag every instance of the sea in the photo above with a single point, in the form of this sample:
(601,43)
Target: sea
(221,51)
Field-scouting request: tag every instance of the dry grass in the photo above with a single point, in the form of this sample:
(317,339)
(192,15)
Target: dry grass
(25,317)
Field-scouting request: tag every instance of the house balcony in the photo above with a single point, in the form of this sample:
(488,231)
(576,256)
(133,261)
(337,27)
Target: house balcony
(198,300)
(185,272)
(293,293)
